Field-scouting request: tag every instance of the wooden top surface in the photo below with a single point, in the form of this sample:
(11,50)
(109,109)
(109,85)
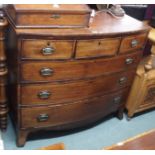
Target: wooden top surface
(50,7)
(144,141)
(58,146)
(102,24)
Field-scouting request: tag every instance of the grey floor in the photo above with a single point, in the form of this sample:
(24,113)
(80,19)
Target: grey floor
(105,133)
(1,142)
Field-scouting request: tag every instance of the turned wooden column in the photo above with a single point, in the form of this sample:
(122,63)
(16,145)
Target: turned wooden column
(3,74)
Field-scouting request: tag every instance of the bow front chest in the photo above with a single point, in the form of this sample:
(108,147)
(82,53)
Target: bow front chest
(64,78)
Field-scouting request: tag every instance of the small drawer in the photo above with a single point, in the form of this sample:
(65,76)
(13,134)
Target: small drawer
(97,47)
(46,49)
(40,94)
(69,70)
(132,43)
(72,112)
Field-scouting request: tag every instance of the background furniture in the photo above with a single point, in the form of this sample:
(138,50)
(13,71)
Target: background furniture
(67,78)
(137,11)
(144,141)
(142,94)
(3,74)
(58,146)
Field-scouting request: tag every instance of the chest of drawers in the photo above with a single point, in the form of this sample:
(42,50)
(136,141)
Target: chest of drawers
(67,78)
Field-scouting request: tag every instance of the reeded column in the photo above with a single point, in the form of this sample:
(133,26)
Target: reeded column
(3,74)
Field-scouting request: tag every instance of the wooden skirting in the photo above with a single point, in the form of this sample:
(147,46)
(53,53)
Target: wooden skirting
(144,141)
(58,146)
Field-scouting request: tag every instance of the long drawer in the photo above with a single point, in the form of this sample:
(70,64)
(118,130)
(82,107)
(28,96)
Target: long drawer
(40,94)
(46,49)
(68,70)
(72,112)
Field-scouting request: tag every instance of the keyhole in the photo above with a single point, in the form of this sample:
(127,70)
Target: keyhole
(48,43)
(99,43)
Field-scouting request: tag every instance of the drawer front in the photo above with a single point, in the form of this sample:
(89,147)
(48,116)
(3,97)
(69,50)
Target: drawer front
(46,49)
(97,47)
(40,94)
(68,70)
(72,112)
(132,43)
(1,34)
(53,20)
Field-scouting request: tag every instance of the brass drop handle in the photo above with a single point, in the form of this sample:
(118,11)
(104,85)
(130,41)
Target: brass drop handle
(122,80)
(44,94)
(55,16)
(117,100)
(48,50)
(42,117)
(129,61)
(46,71)
(134,43)
(2,17)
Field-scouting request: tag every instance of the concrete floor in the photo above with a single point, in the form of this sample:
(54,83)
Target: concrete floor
(102,134)
(1,142)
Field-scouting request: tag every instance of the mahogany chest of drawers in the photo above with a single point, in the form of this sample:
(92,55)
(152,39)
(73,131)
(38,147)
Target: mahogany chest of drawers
(66,78)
